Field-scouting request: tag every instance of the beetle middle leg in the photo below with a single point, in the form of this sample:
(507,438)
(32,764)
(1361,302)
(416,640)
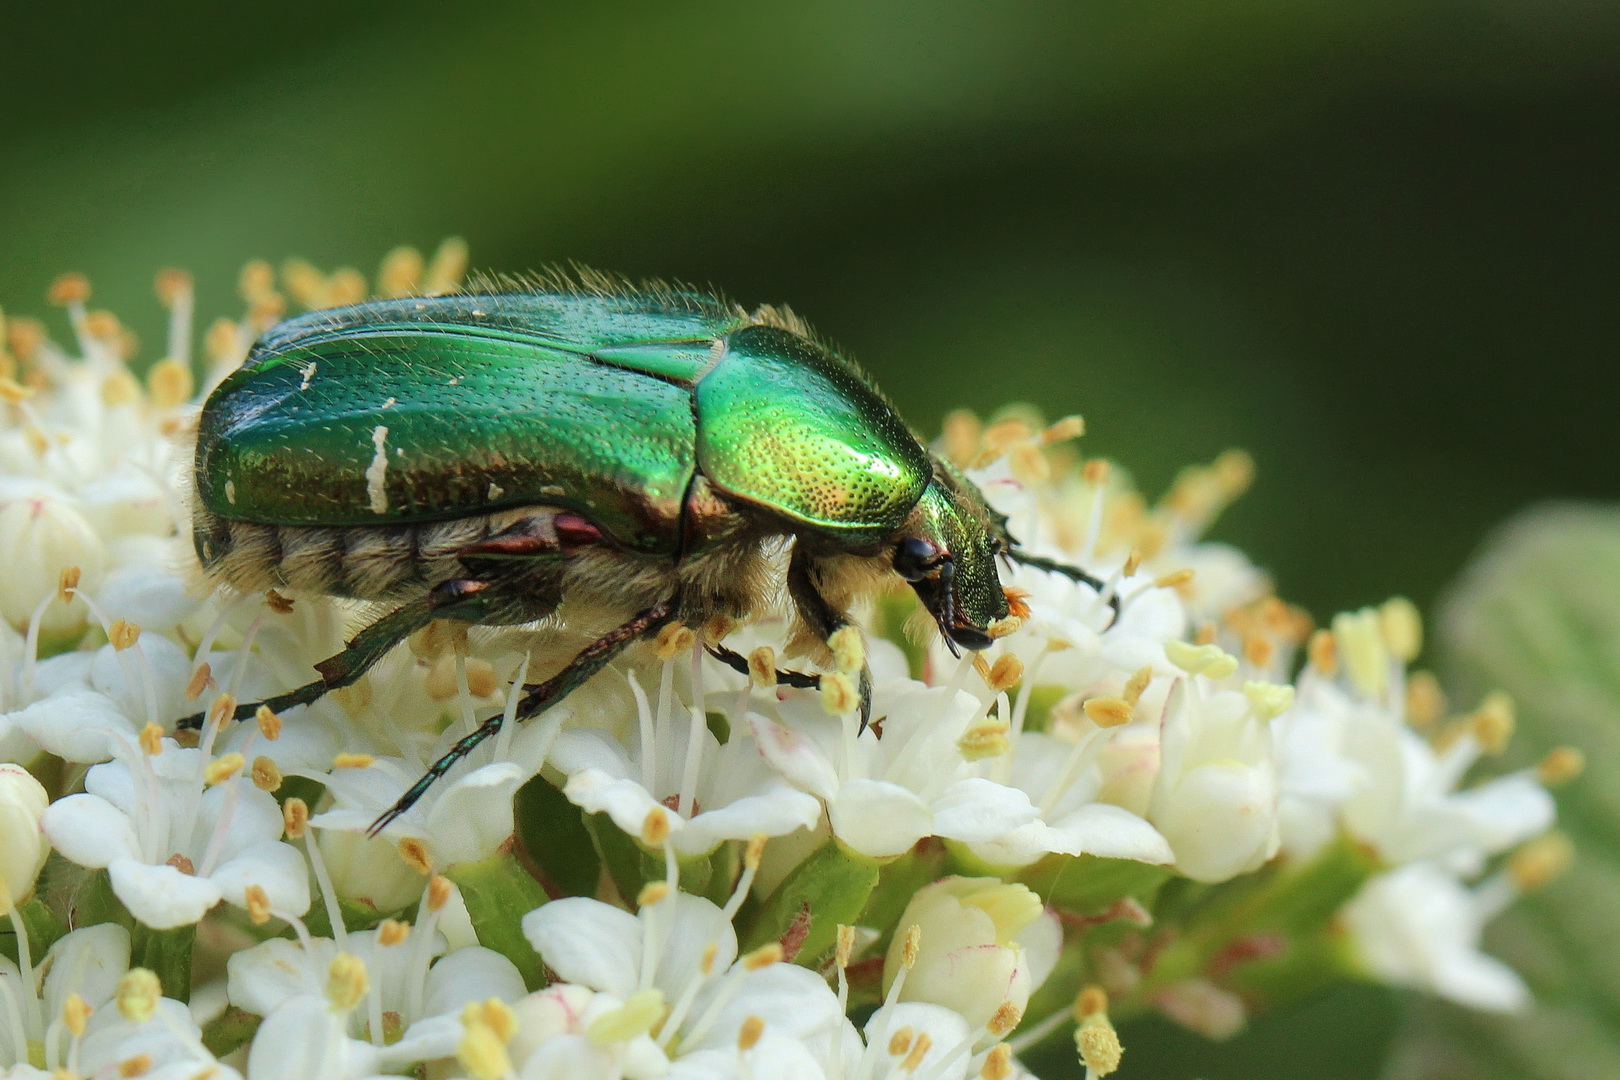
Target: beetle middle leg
(449,599)
(822,618)
(586,663)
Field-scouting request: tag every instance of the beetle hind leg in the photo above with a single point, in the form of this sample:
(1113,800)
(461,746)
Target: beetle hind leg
(448,599)
(586,663)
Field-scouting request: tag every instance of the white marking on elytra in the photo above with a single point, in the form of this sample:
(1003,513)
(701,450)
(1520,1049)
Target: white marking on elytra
(308,372)
(455,381)
(495,491)
(230,492)
(377,471)
(390,401)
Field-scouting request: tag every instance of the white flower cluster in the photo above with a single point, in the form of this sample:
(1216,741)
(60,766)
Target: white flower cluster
(682,871)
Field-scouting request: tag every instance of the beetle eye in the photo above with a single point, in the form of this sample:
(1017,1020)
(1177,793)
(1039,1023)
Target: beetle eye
(914,558)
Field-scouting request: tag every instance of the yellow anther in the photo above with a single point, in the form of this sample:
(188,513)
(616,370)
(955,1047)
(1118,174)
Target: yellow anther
(960,435)
(266,775)
(392,932)
(1136,684)
(257,902)
(1561,765)
(636,1016)
(1268,699)
(1017,603)
(919,1050)
(446,268)
(985,739)
(1109,711)
(655,827)
(223,768)
(438,892)
(1323,652)
(1176,579)
(900,1041)
(1402,627)
(1090,1000)
(269,722)
(123,634)
(762,668)
(1004,673)
(256,282)
(400,273)
(170,285)
(13,393)
(199,681)
(652,893)
(169,384)
(848,649)
(838,694)
(1208,660)
(1425,701)
(997,1063)
(913,942)
(1006,1017)
(138,1065)
(75,1014)
(415,853)
(1205,634)
(151,738)
(673,640)
(69,288)
(352,761)
(1028,464)
(1362,649)
(221,341)
(846,945)
(295,817)
(1541,861)
(1070,427)
(482,1052)
(222,710)
(1493,722)
(356,697)
(67,580)
(137,995)
(1133,562)
(754,851)
(1098,1044)
(706,963)
(1258,650)
(1095,472)
(119,388)
(346,981)
(1233,472)
(762,957)
(281,605)
(750,1031)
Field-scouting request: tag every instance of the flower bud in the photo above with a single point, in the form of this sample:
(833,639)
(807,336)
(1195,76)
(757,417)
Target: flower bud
(368,871)
(969,958)
(22,846)
(42,534)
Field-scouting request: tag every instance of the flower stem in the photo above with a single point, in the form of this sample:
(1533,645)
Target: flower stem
(496,890)
(166,953)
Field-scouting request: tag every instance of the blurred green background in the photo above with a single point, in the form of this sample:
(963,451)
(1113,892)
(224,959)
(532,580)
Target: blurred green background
(1372,241)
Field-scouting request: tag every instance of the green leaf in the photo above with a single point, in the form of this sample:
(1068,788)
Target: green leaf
(498,892)
(1538,615)
(552,830)
(828,888)
(167,953)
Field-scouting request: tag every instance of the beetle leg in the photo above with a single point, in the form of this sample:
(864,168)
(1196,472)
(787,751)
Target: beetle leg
(801,680)
(1073,573)
(823,618)
(364,650)
(591,659)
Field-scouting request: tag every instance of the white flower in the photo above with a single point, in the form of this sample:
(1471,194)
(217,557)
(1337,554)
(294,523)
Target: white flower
(1215,797)
(671,759)
(415,989)
(90,962)
(23,847)
(43,532)
(884,794)
(173,845)
(1418,926)
(984,945)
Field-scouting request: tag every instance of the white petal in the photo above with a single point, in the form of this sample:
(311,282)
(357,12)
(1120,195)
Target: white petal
(88,961)
(625,801)
(305,1040)
(879,819)
(277,868)
(795,756)
(262,977)
(472,817)
(588,942)
(1111,832)
(945,1030)
(976,809)
(775,811)
(75,725)
(471,974)
(90,831)
(693,924)
(161,896)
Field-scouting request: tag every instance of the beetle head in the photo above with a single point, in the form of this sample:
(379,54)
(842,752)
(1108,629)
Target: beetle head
(947,551)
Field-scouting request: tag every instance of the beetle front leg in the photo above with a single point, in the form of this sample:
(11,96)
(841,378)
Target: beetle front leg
(823,619)
(365,649)
(586,663)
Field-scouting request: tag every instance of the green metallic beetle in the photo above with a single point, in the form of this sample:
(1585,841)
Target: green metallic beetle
(491,457)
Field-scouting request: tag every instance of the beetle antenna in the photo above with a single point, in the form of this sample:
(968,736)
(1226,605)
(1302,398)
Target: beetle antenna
(1073,573)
